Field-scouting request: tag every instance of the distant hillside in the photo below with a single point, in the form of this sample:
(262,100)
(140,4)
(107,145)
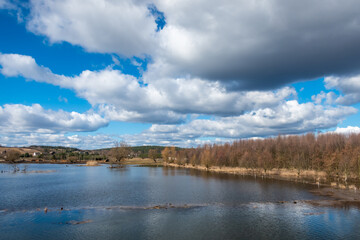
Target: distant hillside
(61,152)
(22,150)
(140,151)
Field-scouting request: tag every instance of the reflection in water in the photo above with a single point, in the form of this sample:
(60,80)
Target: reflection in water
(230,206)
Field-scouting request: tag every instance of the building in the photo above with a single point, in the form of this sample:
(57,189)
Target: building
(36,154)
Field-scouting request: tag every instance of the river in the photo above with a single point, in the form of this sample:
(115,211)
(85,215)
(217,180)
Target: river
(161,203)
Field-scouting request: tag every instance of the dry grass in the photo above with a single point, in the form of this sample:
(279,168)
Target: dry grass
(288,174)
(92,163)
(142,161)
(20,150)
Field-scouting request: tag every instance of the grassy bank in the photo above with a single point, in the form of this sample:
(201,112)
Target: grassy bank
(306,176)
(143,161)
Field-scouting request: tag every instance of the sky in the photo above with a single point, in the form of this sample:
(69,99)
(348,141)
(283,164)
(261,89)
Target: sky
(88,73)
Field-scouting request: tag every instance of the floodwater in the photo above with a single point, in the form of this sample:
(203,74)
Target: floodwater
(104,203)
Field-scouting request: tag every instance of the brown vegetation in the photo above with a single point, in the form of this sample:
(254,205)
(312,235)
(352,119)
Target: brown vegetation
(141,161)
(12,155)
(337,155)
(119,152)
(65,155)
(92,163)
(153,154)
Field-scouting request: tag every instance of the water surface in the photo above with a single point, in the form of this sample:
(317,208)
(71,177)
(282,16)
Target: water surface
(115,203)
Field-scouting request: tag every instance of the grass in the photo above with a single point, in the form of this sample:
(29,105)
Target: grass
(92,163)
(142,161)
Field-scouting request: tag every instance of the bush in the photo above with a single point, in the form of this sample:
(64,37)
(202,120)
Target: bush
(92,163)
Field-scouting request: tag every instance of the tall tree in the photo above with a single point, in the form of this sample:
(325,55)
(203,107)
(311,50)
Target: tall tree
(153,154)
(120,151)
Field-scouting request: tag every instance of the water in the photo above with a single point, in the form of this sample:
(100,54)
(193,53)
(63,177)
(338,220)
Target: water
(116,204)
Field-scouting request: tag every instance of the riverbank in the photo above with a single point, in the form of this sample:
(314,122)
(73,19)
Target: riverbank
(130,161)
(308,176)
(143,161)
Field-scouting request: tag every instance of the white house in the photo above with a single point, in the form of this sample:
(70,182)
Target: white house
(35,154)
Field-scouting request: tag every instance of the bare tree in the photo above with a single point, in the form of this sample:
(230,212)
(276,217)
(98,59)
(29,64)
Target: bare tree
(120,152)
(169,154)
(12,156)
(165,154)
(336,154)
(153,154)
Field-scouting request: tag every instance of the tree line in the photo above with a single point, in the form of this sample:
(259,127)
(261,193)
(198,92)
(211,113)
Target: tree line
(336,154)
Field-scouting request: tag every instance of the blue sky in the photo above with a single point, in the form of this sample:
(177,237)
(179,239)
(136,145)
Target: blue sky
(87,74)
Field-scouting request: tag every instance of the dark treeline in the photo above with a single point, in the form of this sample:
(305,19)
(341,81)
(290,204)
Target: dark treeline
(336,154)
(143,151)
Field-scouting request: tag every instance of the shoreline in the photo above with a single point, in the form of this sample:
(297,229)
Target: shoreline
(130,161)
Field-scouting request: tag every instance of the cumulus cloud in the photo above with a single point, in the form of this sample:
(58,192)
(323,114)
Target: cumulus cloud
(288,118)
(326,98)
(349,86)
(225,59)
(17,118)
(77,141)
(120,97)
(122,27)
(14,65)
(247,44)
(347,130)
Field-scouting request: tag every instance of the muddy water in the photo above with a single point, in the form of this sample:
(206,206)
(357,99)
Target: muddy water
(161,203)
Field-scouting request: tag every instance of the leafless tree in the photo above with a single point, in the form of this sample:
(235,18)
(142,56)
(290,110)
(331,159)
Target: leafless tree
(153,154)
(119,152)
(12,156)
(336,154)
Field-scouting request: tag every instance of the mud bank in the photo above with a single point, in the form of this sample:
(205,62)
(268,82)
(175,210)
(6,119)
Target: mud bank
(339,197)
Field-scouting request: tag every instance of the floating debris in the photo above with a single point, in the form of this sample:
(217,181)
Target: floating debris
(78,222)
(41,171)
(314,213)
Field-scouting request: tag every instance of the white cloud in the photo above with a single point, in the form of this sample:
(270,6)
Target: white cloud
(121,97)
(106,26)
(248,44)
(77,141)
(326,98)
(349,86)
(347,130)
(14,65)
(149,115)
(17,118)
(211,58)
(288,118)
